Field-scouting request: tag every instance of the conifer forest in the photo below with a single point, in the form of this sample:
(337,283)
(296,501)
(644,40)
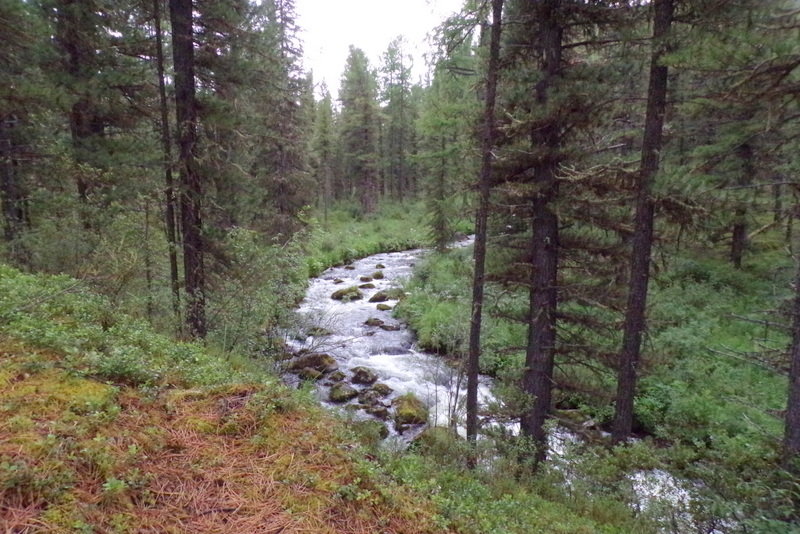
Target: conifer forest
(547,282)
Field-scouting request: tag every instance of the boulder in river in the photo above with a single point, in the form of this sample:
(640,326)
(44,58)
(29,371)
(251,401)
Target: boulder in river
(337,376)
(380,296)
(365,278)
(377,275)
(382,389)
(367,286)
(324,363)
(390,327)
(350,267)
(364,375)
(409,410)
(383,307)
(380,266)
(372,321)
(380,411)
(369,397)
(342,392)
(338,281)
(318,331)
(347,294)
(309,374)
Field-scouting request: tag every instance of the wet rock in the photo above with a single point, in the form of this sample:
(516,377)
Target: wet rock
(382,389)
(318,331)
(363,375)
(379,411)
(350,267)
(342,392)
(383,307)
(337,376)
(338,281)
(324,363)
(309,374)
(380,296)
(367,286)
(372,321)
(347,294)
(409,410)
(369,397)
(390,327)
(380,266)
(365,278)
(377,275)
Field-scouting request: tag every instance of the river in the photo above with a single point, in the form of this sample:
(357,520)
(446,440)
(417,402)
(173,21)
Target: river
(362,334)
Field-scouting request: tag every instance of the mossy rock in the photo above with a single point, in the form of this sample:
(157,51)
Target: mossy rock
(383,307)
(350,267)
(380,411)
(364,375)
(372,321)
(369,397)
(377,275)
(318,331)
(380,296)
(337,376)
(367,286)
(342,392)
(309,374)
(365,278)
(380,266)
(409,410)
(390,327)
(382,389)
(347,294)
(324,363)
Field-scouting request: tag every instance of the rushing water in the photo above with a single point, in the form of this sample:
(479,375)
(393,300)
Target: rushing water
(386,349)
(386,346)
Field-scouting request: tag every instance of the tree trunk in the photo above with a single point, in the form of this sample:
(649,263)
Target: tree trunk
(191,187)
(791,440)
(481,217)
(635,320)
(537,380)
(739,230)
(169,189)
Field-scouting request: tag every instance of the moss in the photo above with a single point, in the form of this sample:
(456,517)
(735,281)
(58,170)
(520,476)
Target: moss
(409,410)
(341,392)
(347,294)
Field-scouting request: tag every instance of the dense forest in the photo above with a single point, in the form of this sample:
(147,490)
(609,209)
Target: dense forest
(172,177)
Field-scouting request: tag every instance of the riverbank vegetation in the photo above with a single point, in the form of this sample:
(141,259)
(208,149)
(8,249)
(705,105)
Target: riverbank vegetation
(171,177)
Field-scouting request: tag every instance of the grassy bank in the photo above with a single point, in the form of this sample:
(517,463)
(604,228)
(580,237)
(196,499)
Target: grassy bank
(709,406)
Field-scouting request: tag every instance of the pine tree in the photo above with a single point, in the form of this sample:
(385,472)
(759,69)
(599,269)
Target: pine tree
(359,129)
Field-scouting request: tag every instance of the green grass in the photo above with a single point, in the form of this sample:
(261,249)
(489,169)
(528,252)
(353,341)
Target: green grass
(710,396)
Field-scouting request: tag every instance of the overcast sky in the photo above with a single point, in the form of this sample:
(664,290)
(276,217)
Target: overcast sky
(329,27)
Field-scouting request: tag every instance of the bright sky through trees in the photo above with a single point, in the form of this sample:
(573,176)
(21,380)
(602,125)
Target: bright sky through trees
(329,27)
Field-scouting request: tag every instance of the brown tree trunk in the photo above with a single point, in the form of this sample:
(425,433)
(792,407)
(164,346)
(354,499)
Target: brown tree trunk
(169,189)
(791,439)
(537,380)
(191,187)
(635,320)
(481,217)
(739,229)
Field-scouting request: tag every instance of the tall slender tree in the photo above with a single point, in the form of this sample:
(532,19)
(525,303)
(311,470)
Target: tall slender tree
(642,242)
(481,219)
(191,192)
